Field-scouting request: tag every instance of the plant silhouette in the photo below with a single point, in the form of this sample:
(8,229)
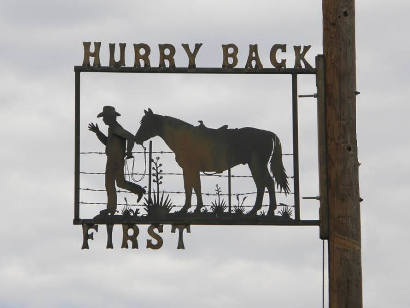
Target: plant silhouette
(218,206)
(159,205)
(239,209)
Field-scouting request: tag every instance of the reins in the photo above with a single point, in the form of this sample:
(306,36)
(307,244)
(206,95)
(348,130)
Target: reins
(131,174)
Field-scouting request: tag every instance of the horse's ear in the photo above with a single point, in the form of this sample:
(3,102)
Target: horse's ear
(146,112)
(150,111)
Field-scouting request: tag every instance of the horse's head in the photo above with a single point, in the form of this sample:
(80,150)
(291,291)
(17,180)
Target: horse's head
(149,127)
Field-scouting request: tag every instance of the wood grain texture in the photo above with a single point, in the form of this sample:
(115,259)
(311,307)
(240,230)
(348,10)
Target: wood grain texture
(345,273)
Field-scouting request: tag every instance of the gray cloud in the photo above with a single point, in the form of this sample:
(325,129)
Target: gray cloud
(41,263)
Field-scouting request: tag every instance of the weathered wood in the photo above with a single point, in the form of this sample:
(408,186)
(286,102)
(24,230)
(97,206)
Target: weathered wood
(345,274)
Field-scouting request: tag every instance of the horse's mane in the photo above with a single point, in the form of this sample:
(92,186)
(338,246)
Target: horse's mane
(176,122)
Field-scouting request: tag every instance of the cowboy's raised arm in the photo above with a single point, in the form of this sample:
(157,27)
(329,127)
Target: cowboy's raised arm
(126,135)
(94,128)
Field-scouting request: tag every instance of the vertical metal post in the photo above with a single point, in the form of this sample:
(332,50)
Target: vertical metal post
(295,145)
(321,129)
(229,191)
(344,250)
(77,148)
(149,171)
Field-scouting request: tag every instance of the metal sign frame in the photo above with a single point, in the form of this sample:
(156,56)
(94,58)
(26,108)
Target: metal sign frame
(294,72)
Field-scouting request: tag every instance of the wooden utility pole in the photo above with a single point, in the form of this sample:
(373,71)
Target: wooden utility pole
(345,271)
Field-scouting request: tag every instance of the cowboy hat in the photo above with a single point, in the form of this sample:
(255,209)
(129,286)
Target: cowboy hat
(108,110)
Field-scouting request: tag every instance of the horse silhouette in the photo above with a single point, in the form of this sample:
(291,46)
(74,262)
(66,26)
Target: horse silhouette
(202,149)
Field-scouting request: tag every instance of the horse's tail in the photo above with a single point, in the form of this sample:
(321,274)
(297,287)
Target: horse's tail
(276,166)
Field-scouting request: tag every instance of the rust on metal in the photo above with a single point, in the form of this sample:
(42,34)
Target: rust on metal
(166,52)
(133,238)
(259,149)
(121,61)
(181,229)
(253,57)
(230,51)
(88,236)
(300,56)
(144,57)
(273,56)
(191,54)
(155,236)
(91,54)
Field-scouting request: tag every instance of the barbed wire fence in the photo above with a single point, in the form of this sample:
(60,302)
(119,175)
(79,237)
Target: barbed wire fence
(148,173)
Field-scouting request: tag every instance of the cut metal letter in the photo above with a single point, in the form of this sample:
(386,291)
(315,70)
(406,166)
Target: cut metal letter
(300,56)
(95,54)
(121,62)
(109,236)
(226,55)
(253,56)
(181,234)
(144,57)
(88,236)
(273,58)
(192,55)
(155,236)
(169,56)
(126,237)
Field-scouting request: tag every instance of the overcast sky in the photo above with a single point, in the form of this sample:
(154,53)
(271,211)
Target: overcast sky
(42,265)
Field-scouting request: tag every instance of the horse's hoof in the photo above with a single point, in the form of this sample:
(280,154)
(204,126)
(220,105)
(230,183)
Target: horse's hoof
(271,210)
(252,213)
(107,212)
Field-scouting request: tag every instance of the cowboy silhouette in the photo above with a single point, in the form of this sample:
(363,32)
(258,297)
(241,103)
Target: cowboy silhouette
(118,145)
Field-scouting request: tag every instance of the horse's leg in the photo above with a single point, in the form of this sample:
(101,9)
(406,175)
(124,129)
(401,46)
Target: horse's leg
(259,178)
(188,181)
(270,184)
(197,189)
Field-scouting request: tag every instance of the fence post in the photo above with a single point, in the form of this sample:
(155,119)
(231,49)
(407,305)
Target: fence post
(295,145)
(149,172)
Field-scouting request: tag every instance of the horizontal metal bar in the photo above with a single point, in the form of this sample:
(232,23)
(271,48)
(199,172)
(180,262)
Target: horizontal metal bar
(311,198)
(198,70)
(194,221)
(308,95)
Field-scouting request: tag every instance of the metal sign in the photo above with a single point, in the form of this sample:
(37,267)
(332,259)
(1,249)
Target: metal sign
(200,151)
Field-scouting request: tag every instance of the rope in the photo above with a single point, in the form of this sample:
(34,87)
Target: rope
(209,174)
(131,174)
